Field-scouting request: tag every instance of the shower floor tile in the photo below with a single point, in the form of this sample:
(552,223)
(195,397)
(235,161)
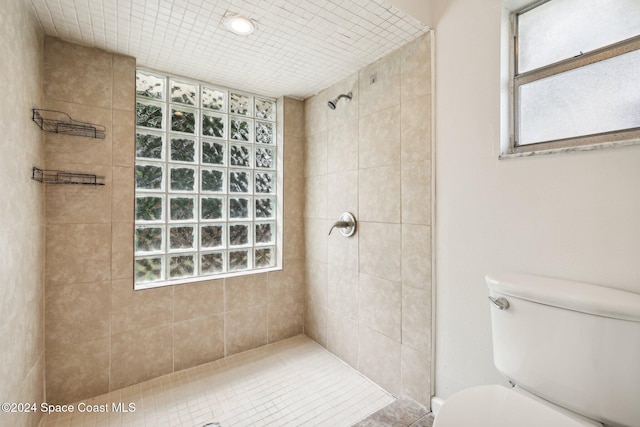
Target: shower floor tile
(294,382)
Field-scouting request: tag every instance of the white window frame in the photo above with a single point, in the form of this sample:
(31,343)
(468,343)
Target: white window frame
(611,139)
(277,196)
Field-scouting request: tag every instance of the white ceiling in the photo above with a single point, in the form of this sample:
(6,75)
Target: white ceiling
(299,48)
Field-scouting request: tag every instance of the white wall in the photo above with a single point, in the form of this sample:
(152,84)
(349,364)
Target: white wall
(573,216)
(419,9)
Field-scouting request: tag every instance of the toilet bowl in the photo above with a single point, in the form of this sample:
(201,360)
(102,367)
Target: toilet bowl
(571,350)
(498,406)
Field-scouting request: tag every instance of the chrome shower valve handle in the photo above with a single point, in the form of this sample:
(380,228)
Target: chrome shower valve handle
(340,224)
(346,223)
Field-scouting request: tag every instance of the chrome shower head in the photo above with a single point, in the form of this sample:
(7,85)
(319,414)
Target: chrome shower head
(334,102)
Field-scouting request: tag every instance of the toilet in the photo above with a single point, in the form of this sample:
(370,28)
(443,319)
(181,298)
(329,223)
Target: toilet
(571,351)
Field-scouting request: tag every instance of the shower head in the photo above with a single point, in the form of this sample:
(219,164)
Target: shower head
(334,102)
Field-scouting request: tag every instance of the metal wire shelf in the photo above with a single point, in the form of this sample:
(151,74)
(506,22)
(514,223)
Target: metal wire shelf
(62,177)
(59,122)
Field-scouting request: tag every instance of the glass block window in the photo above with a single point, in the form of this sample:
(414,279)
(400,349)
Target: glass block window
(205,181)
(575,79)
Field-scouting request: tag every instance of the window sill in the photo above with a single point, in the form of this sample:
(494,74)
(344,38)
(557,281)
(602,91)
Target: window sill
(152,285)
(563,150)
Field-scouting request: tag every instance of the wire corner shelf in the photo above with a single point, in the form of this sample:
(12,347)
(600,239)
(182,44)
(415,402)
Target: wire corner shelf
(63,177)
(59,122)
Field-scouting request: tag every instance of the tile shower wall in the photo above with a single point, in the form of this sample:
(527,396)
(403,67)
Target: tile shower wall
(22,226)
(100,334)
(369,296)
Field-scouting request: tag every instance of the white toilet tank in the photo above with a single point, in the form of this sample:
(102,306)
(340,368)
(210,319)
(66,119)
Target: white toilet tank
(574,344)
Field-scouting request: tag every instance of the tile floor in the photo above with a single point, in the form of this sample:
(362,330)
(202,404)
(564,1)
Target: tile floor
(294,382)
(401,413)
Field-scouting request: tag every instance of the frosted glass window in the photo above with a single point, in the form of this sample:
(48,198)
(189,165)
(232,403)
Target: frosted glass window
(215,99)
(148,269)
(597,98)
(265,109)
(149,146)
(182,208)
(240,104)
(212,263)
(575,80)
(149,114)
(561,29)
(183,120)
(149,86)
(195,217)
(148,239)
(264,257)
(184,93)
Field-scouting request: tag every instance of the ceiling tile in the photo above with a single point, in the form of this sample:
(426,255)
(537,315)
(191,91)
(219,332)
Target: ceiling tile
(299,47)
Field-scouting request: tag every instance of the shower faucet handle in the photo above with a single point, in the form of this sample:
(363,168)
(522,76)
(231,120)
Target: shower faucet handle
(346,223)
(340,224)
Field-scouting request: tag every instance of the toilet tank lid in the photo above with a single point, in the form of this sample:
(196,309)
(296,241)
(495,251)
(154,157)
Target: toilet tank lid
(576,296)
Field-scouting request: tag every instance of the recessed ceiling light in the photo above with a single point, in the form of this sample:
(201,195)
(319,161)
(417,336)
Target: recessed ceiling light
(240,24)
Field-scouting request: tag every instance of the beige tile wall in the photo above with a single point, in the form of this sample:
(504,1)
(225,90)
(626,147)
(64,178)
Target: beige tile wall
(100,334)
(21,213)
(369,296)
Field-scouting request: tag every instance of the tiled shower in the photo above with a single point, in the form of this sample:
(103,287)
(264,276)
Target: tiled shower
(369,296)
(138,335)
(74,326)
